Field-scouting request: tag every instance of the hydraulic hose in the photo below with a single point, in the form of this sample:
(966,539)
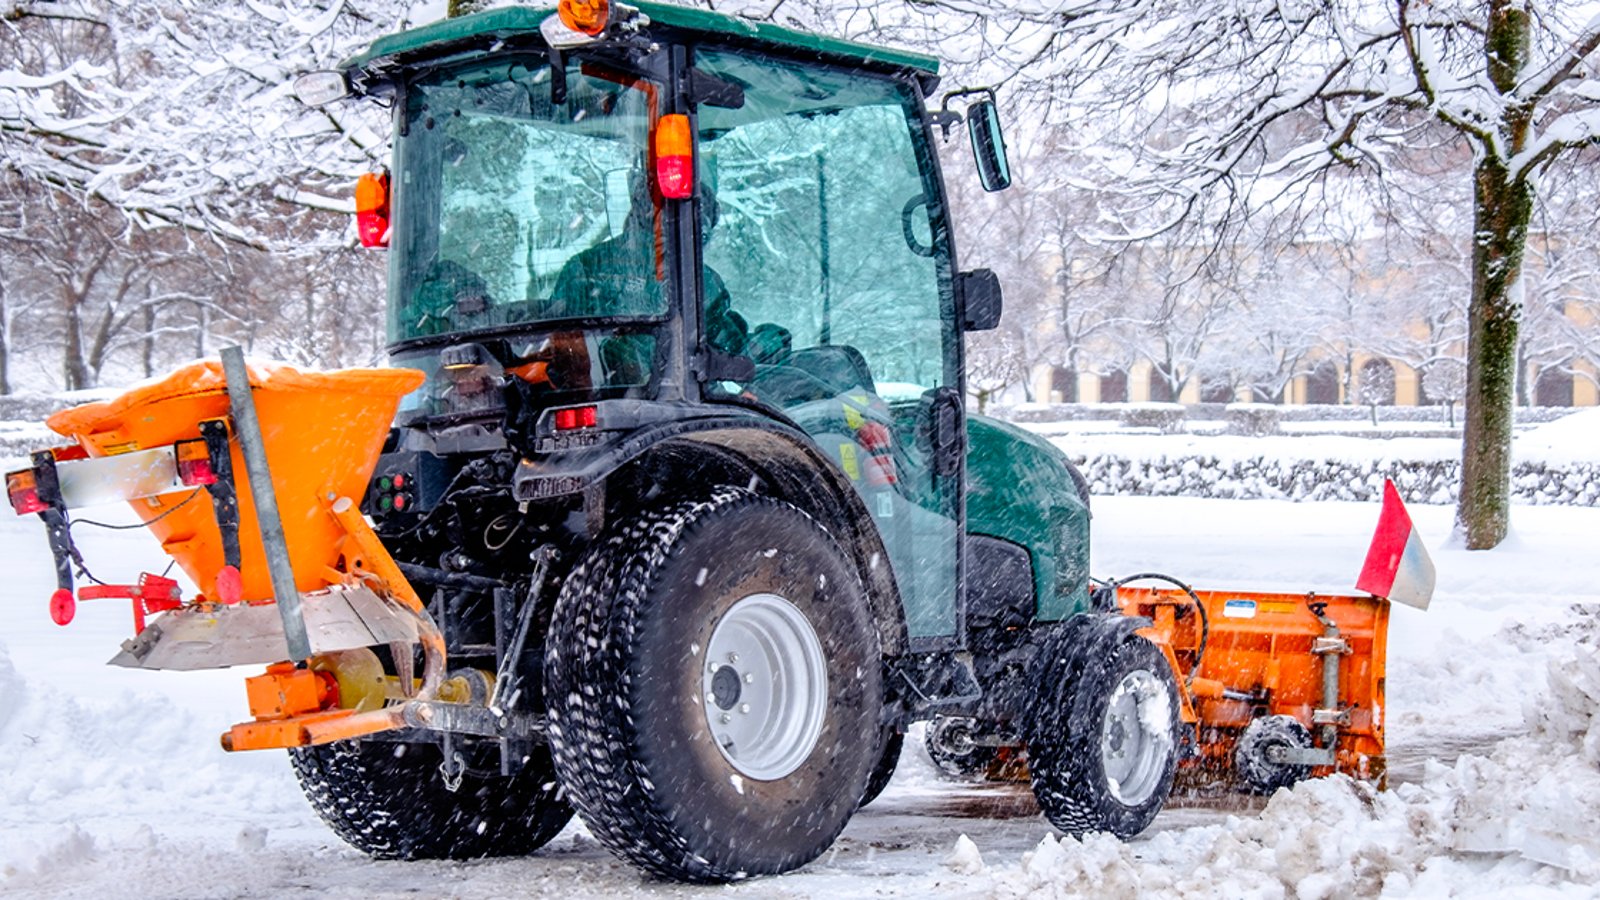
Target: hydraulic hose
(1205,619)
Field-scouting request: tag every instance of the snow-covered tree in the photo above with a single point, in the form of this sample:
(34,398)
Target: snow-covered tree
(1228,109)
(149,149)
(1446,381)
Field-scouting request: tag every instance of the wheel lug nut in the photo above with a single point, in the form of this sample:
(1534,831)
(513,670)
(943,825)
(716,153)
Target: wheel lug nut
(726,718)
(733,657)
(749,678)
(744,707)
(714,667)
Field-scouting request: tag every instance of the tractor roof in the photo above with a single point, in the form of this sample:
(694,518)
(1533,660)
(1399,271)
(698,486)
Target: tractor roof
(511,21)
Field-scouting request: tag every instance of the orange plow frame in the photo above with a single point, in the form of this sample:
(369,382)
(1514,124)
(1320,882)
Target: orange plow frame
(1268,654)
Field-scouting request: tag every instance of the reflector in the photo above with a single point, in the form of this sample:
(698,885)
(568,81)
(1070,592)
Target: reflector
(194,463)
(23,493)
(372,209)
(674,157)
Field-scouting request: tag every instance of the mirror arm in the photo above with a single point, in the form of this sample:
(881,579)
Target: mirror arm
(944,107)
(944,119)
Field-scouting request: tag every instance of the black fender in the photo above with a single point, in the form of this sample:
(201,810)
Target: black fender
(699,447)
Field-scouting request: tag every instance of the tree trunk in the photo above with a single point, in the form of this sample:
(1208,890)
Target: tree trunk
(149,342)
(1503,208)
(5,340)
(75,369)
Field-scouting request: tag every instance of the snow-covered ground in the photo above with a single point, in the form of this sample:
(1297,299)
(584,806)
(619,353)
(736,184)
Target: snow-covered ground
(112,783)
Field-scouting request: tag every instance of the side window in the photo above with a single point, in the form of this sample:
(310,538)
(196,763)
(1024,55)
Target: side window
(821,267)
(821,235)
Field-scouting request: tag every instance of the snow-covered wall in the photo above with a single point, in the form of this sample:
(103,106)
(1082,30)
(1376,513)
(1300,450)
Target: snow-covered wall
(1554,463)
(1285,478)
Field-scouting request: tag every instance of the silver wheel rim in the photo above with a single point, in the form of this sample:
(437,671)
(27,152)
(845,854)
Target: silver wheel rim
(1135,738)
(764,687)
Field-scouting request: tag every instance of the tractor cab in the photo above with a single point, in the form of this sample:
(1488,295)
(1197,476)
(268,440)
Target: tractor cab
(598,222)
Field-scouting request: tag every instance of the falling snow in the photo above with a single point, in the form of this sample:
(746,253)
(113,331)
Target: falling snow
(1493,711)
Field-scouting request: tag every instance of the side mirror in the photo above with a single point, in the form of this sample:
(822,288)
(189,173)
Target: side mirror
(988,145)
(979,294)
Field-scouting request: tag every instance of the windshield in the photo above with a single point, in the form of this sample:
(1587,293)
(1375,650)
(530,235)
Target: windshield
(513,209)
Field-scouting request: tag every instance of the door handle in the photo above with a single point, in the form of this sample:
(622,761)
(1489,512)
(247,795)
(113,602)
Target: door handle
(947,431)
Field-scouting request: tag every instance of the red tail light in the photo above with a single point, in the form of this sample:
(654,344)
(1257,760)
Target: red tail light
(194,463)
(674,157)
(372,209)
(24,493)
(575,417)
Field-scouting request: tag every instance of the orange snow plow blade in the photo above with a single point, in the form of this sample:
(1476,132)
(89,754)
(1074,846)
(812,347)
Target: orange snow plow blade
(1256,654)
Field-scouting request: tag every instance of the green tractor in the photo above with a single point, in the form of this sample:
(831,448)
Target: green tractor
(682,520)
(691,470)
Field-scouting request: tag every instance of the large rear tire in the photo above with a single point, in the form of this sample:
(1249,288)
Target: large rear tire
(1103,746)
(713,680)
(390,801)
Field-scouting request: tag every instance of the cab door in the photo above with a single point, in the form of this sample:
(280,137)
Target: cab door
(826,264)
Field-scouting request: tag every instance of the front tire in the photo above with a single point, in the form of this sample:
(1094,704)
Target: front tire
(711,670)
(1252,754)
(950,745)
(1103,745)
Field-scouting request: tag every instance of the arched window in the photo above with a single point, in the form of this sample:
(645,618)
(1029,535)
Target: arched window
(1114,387)
(1553,388)
(1322,384)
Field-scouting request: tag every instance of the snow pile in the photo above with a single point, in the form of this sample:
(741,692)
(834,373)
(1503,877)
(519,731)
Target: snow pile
(965,858)
(1328,838)
(84,776)
(1570,714)
(1335,837)
(10,689)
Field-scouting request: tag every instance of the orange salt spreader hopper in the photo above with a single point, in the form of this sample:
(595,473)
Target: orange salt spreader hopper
(250,476)
(322,432)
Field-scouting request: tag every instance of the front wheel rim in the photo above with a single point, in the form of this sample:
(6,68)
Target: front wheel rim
(1136,737)
(764,687)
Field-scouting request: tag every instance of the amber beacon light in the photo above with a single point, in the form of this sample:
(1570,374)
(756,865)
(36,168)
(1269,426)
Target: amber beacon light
(587,16)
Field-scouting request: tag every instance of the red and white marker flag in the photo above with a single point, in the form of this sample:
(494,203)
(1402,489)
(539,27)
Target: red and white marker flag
(1398,566)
